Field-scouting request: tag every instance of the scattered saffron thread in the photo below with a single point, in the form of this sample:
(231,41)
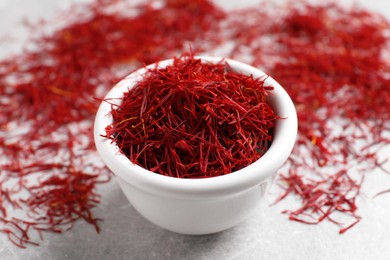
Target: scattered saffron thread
(330,59)
(49,172)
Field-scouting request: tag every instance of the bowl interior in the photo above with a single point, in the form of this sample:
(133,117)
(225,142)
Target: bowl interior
(283,141)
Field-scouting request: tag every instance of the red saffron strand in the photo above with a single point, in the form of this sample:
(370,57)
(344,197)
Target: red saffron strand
(51,92)
(341,93)
(193,119)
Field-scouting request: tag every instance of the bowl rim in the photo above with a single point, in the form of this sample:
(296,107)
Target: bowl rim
(284,137)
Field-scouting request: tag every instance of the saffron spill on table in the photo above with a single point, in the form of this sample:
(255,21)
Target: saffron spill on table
(332,61)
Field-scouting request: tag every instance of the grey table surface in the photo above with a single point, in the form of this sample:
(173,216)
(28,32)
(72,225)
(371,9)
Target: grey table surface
(265,234)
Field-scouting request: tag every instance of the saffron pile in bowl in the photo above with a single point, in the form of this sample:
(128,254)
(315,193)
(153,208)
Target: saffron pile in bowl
(193,119)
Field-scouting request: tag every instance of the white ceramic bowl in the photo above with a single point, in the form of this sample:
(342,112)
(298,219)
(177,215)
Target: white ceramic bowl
(199,206)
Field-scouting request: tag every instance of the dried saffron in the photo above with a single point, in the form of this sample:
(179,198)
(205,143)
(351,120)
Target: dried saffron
(48,173)
(332,61)
(193,119)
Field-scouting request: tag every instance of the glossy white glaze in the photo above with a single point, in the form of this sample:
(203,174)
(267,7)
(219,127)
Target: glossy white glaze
(199,206)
